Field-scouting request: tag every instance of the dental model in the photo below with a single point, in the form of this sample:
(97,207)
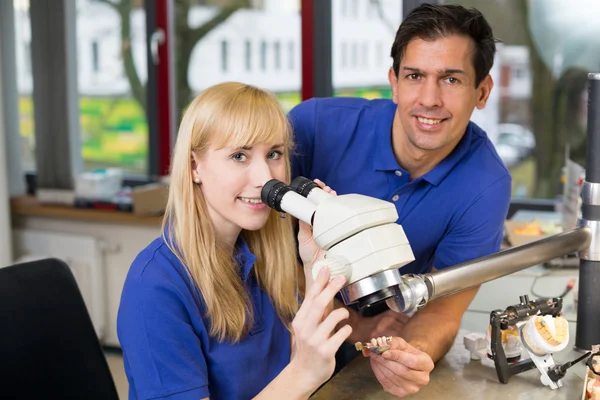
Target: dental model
(545,335)
(542,336)
(376,345)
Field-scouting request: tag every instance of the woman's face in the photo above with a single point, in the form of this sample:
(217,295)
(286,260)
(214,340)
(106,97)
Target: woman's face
(231,180)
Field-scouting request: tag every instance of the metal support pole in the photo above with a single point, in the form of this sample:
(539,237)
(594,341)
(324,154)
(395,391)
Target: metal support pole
(588,305)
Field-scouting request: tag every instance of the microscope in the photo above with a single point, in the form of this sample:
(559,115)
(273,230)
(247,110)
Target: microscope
(363,242)
(366,245)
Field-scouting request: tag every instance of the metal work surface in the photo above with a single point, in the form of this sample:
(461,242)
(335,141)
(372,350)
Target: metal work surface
(458,377)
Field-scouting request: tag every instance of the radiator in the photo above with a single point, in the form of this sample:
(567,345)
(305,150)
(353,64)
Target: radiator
(83,255)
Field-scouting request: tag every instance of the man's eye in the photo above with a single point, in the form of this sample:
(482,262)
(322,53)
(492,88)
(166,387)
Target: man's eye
(413,76)
(275,155)
(239,157)
(452,80)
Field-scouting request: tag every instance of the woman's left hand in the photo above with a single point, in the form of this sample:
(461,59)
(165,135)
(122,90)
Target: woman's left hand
(308,249)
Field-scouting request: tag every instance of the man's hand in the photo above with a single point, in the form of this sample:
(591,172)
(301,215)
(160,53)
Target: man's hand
(403,369)
(388,323)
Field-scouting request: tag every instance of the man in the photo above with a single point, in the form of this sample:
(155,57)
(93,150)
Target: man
(421,152)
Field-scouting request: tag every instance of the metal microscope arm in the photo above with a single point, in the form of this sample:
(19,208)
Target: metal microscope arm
(421,289)
(476,272)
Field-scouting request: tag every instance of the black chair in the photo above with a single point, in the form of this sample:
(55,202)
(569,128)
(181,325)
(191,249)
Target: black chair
(48,345)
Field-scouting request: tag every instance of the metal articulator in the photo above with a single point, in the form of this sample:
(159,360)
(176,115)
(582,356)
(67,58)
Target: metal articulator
(416,290)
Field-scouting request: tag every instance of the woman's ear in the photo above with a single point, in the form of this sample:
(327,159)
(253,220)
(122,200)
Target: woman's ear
(195,166)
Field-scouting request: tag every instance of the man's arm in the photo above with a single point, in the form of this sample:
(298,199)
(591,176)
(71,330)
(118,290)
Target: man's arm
(445,314)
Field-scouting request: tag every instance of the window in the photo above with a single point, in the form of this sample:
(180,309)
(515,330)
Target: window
(542,61)
(355,8)
(95,62)
(224,55)
(114,128)
(366,74)
(268,33)
(277,55)
(248,55)
(263,55)
(291,55)
(344,56)
(24,84)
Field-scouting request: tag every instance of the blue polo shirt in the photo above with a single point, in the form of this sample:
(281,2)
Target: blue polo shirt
(452,214)
(164,334)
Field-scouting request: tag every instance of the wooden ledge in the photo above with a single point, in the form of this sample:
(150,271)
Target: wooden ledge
(28,206)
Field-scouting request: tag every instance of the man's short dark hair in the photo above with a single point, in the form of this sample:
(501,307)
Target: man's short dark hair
(432,22)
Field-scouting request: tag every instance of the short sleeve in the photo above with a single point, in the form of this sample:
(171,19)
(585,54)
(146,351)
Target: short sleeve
(479,231)
(161,349)
(303,118)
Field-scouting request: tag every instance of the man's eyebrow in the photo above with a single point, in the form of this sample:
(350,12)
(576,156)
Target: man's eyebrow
(448,71)
(413,69)
(451,71)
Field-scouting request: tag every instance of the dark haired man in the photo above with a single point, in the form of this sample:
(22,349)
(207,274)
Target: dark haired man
(420,151)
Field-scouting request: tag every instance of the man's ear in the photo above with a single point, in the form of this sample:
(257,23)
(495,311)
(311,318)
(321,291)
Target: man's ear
(484,90)
(393,79)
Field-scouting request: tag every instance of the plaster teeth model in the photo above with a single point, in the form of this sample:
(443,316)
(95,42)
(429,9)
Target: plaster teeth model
(545,335)
(376,345)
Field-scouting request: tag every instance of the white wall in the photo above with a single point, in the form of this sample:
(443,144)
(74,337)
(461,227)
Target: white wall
(5,235)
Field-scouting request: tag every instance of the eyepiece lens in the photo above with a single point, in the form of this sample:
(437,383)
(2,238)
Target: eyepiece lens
(272,193)
(303,185)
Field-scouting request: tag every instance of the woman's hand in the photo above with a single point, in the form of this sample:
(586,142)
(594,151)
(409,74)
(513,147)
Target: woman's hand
(308,249)
(315,343)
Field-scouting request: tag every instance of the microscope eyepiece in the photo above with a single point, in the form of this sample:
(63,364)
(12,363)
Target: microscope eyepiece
(272,193)
(281,197)
(303,185)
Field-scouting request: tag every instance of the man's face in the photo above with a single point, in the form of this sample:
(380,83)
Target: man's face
(435,92)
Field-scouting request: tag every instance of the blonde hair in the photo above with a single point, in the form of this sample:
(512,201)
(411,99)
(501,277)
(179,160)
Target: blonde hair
(230,115)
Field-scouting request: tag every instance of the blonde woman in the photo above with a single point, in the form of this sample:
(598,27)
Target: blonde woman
(210,309)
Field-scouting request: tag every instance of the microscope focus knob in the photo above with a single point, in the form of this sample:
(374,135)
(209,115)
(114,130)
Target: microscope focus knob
(337,266)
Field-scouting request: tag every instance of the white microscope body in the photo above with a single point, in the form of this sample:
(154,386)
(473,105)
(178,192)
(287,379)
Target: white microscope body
(363,241)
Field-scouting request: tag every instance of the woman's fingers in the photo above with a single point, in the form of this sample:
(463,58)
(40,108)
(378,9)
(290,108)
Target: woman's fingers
(316,288)
(339,337)
(333,319)
(320,303)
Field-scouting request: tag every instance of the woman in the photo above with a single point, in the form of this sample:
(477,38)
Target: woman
(210,309)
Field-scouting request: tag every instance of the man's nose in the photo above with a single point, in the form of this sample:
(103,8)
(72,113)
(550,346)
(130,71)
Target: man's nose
(431,94)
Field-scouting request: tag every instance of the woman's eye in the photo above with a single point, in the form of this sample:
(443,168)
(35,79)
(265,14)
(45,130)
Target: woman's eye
(275,155)
(239,157)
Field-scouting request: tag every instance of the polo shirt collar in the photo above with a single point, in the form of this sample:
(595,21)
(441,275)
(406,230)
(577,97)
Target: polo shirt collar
(437,175)
(244,258)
